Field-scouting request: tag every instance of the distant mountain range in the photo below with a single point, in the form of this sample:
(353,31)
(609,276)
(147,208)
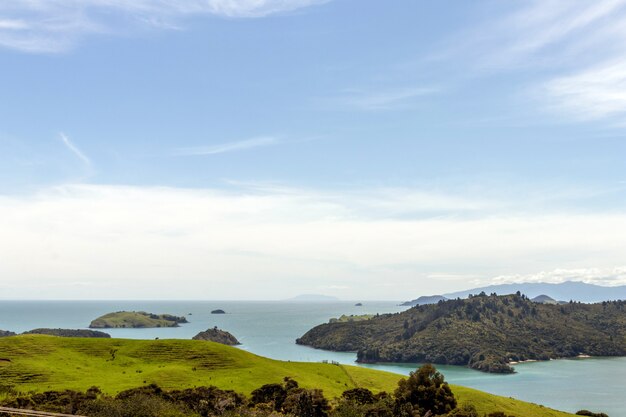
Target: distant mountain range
(570,290)
(566,291)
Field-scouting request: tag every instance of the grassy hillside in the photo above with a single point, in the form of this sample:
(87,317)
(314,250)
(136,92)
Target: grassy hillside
(39,363)
(484,332)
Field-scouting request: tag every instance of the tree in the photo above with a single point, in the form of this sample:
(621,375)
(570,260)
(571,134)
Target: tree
(273,394)
(425,390)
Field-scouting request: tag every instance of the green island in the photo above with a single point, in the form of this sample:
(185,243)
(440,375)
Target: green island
(136,319)
(36,371)
(218,336)
(484,332)
(69,333)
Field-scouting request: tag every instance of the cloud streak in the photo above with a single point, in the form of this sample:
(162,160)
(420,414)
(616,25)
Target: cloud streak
(372,100)
(52,26)
(72,148)
(242,145)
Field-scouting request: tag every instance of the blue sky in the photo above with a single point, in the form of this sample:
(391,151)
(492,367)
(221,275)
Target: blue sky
(260,149)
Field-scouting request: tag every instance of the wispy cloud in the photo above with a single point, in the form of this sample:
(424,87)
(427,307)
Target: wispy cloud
(241,145)
(72,148)
(595,93)
(57,25)
(544,33)
(572,54)
(372,100)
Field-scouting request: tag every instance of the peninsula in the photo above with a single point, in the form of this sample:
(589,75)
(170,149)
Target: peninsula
(484,332)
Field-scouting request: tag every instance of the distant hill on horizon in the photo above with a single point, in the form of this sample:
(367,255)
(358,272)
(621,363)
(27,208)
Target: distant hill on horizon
(566,291)
(313,297)
(544,299)
(425,299)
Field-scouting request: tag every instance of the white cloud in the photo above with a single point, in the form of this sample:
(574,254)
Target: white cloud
(241,145)
(137,242)
(602,276)
(57,25)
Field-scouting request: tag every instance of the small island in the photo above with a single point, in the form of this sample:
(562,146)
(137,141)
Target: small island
(6,333)
(218,311)
(358,305)
(136,320)
(69,333)
(218,336)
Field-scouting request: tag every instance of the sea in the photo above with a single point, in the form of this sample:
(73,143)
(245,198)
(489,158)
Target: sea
(270,328)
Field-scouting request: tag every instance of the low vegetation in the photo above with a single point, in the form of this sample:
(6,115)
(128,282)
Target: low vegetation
(38,364)
(136,319)
(484,332)
(352,317)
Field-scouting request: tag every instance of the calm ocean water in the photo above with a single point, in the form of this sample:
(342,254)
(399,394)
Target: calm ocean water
(270,329)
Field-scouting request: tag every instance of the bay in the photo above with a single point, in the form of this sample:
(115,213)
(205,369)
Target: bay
(269,328)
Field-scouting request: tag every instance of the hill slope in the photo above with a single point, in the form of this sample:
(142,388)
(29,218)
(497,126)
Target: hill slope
(42,363)
(483,332)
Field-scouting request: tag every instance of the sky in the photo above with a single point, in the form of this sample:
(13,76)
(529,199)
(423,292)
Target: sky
(260,149)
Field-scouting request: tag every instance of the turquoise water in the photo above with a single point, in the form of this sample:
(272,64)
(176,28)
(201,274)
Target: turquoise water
(270,329)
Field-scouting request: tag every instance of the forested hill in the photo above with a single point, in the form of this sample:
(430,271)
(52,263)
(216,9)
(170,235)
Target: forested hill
(484,332)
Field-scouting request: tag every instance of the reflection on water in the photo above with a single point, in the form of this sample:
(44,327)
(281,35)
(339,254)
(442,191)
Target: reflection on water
(270,329)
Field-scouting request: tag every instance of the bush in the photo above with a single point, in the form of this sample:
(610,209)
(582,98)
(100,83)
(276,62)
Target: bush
(273,394)
(139,405)
(306,403)
(359,396)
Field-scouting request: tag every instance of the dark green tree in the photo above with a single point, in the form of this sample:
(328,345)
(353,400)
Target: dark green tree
(425,390)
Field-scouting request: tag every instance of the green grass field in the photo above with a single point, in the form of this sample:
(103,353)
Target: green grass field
(40,363)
